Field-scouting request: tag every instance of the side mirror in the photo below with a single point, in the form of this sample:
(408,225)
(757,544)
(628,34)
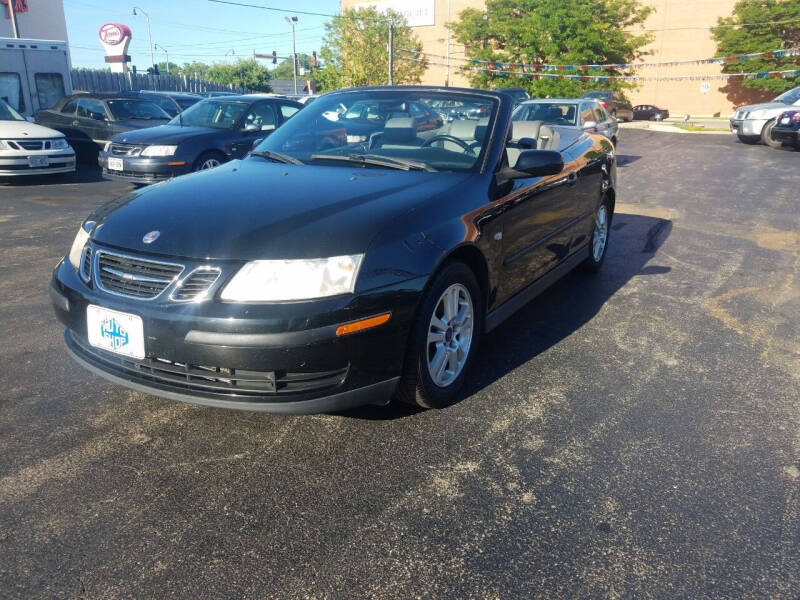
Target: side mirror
(590,124)
(533,163)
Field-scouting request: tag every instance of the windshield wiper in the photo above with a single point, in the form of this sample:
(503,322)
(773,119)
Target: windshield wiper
(277,157)
(377,160)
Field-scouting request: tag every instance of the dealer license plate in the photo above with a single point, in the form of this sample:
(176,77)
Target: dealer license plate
(785,121)
(38,161)
(115,164)
(118,332)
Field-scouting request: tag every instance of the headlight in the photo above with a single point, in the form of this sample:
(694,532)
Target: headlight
(356,139)
(282,280)
(757,114)
(77,247)
(4,145)
(59,144)
(159,151)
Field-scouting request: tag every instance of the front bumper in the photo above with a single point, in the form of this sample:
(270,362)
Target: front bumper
(143,170)
(15,166)
(786,134)
(747,126)
(281,358)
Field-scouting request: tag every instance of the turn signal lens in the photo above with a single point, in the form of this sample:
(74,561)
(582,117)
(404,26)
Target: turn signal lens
(363,324)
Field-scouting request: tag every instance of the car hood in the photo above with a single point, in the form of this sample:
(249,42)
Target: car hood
(254,209)
(163,134)
(23,129)
(765,106)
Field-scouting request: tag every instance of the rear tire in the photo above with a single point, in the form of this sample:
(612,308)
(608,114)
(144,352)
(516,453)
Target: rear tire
(444,339)
(598,242)
(748,139)
(766,134)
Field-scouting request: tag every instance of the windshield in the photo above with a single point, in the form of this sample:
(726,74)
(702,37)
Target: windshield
(218,114)
(9,114)
(400,125)
(789,97)
(126,108)
(554,113)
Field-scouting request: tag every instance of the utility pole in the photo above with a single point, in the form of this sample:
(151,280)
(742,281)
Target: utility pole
(447,51)
(391,51)
(13,16)
(149,35)
(292,21)
(165,52)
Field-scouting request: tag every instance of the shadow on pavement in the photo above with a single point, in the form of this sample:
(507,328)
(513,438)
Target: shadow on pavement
(84,174)
(558,312)
(623,160)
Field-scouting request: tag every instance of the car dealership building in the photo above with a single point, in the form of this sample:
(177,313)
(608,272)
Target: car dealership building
(681,31)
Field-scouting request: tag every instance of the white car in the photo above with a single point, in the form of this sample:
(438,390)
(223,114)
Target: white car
(30,149)
(754,123)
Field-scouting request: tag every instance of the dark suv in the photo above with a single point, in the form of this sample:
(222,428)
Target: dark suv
(614,102)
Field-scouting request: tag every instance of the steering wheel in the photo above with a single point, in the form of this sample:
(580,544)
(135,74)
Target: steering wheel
(449,138)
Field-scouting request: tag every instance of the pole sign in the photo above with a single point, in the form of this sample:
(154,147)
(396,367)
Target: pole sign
(115,38)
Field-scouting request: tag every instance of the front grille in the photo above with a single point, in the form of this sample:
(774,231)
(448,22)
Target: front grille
(137,175)
(195,287)
(33,144)
(210,379)
(135,277)
(86,263)
(125,149)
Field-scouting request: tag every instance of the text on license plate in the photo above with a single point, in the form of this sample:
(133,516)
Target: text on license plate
(118,332)
(38,161)
(115,164)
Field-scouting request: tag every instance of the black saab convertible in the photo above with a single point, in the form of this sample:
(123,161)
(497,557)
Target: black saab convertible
(318,273)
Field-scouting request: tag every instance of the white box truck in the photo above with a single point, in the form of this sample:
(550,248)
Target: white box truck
(34,74)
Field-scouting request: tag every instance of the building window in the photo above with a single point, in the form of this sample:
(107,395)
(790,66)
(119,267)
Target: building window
(11,90)
(50,89)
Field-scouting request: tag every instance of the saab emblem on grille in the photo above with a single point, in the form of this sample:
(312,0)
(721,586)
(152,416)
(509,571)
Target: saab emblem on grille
(151,237)
(112,330)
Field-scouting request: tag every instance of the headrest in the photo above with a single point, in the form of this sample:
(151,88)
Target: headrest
(399,131)
(553,114)
(529,129)
(463,129)
(481,129)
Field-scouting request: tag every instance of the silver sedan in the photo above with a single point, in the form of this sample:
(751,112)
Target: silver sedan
(576,113)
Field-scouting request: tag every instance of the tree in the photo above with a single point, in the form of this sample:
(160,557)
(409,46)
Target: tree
(284,69)
(194,69)
(779,34)
(536,32)
(174,69)
(355,50)
(244,73)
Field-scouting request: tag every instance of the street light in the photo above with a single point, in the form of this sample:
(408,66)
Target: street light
(293,21)
(149,36)
(157,47)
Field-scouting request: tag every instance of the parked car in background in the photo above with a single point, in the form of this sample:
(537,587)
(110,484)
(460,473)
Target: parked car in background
(518,94)
(364,118)
(305,100)
(787,128)
(584,114)
(648,112)
(89,121)
(171,102)
(754,123)
(216,94)
(30,149)
(205,135)
(313,278)
(614,102)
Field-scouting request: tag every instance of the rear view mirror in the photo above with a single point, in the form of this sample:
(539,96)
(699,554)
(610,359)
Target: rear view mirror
(590,124)
(533,163)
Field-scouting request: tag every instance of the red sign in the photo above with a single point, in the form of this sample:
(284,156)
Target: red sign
(20,6)
(113,33)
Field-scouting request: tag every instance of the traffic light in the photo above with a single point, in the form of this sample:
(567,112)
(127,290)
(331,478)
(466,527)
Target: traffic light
(274,57)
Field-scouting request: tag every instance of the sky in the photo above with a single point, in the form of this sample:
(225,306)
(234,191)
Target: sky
(192,30)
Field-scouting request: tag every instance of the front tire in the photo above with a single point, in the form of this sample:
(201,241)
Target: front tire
(444,339)
(598,244)
(208,160)
(766,134)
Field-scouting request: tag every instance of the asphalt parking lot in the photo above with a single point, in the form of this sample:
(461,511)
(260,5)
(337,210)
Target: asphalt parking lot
(631,434)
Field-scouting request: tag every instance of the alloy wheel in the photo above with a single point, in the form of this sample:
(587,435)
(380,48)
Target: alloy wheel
(209,163)
(450,335)
(600,233)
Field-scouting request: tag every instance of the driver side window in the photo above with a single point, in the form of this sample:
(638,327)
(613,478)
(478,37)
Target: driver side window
(91,109)
(261,115)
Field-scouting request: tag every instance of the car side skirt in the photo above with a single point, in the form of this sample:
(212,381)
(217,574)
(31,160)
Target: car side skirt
(521,298)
